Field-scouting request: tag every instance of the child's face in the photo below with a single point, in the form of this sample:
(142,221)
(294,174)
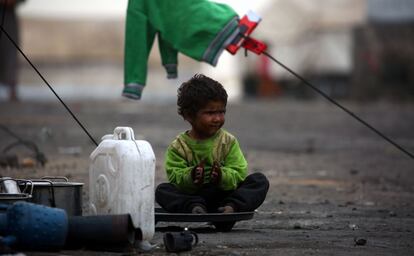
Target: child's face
(208,120)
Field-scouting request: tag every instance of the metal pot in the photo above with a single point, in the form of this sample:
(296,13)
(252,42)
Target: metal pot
(10,192)
(58,192)
(9,186)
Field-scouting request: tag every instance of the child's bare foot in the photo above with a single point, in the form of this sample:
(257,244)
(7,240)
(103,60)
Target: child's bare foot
(226,209)
(198,209)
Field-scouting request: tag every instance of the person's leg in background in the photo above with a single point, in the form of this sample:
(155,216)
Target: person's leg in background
(8,52)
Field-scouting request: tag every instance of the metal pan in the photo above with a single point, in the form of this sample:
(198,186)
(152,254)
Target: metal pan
(8,198)
(58,192)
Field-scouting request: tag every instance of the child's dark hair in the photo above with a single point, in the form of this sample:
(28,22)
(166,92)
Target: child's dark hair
(194,94)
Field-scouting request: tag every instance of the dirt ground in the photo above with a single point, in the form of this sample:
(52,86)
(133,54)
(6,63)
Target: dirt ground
(332,179)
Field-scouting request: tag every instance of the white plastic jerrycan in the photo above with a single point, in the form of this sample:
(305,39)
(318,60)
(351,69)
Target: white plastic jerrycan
(121,179)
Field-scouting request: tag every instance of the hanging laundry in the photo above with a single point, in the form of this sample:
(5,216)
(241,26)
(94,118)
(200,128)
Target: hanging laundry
(199,29)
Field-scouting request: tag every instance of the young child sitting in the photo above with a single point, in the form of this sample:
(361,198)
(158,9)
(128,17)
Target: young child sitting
(205,165)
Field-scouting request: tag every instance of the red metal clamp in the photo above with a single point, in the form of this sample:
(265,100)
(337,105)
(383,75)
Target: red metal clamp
(246,25)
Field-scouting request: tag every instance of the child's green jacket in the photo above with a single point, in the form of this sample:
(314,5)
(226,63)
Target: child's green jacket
(199,29)
(184,153)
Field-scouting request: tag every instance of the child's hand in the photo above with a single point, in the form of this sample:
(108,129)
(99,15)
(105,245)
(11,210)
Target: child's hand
(215,175)
(198,174)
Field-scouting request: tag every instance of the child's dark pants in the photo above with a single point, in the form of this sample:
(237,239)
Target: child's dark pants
(249,195)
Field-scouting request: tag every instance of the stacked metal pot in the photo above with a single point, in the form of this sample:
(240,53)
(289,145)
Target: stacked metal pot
(49,191)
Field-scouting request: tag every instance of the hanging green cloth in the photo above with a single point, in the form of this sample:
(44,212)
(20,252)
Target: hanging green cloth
(199,29)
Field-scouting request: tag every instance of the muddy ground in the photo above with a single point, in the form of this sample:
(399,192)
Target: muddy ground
(332,179)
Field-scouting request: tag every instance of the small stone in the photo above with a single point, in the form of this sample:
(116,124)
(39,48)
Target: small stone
(353,171)
(297,226)
(392,214)
(353,226)
(360,241)
(369,203)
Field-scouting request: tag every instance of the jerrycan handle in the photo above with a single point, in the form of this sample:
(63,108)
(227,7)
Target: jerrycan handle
(123,133)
